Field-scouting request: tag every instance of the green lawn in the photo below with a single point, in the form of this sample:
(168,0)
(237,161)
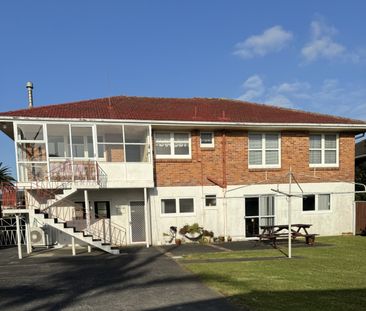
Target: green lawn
(324,278)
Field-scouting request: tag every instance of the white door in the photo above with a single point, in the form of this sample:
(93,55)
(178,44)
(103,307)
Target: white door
(137,222)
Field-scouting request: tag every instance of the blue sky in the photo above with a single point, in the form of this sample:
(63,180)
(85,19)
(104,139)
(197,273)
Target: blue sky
(307,55)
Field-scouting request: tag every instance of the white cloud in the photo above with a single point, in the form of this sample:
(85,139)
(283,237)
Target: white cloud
(272,39)
(322,44)
(253,88)
(329,97)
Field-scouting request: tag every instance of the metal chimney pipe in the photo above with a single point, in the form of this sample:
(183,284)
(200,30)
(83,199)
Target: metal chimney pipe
(30,94)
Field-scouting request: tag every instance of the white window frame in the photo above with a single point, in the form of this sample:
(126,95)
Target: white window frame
(316,210)
(172,155)
(177,206)
(205,145)
(211,196)
(322,149)
(264,165)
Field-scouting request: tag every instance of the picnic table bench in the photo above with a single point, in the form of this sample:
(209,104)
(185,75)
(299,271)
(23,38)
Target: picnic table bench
(275,232)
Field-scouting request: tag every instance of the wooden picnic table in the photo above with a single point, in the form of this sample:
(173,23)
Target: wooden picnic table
(272,232)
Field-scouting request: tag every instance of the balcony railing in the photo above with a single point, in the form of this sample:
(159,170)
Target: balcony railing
(73,171)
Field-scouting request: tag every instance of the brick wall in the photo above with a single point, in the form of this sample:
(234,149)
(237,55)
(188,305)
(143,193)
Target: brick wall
(209,162)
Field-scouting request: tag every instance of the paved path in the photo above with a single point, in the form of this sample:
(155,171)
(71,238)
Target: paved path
(143,279)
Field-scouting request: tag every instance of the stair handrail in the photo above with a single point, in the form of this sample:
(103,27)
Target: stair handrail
(68,215)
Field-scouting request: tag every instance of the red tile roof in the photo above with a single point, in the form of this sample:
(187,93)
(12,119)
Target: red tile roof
(177,109)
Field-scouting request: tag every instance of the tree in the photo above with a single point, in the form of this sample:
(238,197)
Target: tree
(5,174)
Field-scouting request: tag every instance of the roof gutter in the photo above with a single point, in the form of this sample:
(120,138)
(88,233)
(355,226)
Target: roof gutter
(175,123)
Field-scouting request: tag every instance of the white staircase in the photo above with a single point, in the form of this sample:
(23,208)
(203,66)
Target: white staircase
(62,221)
(80,235)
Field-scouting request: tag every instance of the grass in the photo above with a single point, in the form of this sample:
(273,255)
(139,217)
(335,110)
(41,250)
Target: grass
(323,278)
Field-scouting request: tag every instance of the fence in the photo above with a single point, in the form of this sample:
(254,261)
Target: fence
(8,231)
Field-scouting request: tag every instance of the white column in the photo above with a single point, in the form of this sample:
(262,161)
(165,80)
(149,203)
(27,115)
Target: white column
(89,248)
(147,235)
(19,239)
(28,237)
(73,246)
(87,210)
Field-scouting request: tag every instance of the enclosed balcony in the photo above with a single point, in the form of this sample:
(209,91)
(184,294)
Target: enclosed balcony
(110,155)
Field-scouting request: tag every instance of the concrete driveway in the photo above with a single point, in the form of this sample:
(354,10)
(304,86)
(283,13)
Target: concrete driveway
(142,279)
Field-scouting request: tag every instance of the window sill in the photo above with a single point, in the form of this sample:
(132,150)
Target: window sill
(177,215)
(262,169)
(324,168)
(172,160)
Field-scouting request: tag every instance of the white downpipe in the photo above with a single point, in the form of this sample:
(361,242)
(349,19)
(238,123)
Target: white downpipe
(289,215)
(19,240)
(224,202)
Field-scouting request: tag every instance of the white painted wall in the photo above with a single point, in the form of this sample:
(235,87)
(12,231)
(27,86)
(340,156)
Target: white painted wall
(334,222)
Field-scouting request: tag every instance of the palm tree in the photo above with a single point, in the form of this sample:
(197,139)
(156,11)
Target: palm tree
(5,174)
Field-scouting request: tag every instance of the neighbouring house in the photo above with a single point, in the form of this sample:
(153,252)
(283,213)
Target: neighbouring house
(122,170)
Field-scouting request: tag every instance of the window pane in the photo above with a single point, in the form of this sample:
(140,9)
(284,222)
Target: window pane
(136,134)
(181,137)
(32,171)
(32,152)
(271,141)
(186,205)
(315,141)
(206,138)
(109,133)
(58,140)
(110,153)
(165,137)
(315,157)
(82,142)
(267,205)
(136,153)
(330,141)
(181,149)
(210,200)
(324,202)
(308,203)
(251,206)
(330,157)
(162,148)
(168,206)
(102,209)
(30,132)
(255,157)
(272,157)
(255,141)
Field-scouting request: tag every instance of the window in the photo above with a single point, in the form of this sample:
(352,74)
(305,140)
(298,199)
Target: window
(185,205)
(58,140)
(207,139)
(110,143)
(168,206)
(308,203)
(82,142)
(264,150)
(323,150)
(210,200)
(259,211)
(102,209)
(177,206)
(324,202)
(172,145)
(319,202)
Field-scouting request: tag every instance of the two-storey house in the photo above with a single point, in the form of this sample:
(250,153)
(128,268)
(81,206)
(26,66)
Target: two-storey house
(124,169)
